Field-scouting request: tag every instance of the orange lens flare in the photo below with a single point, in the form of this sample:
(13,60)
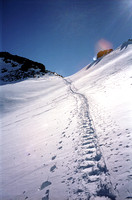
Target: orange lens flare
(103,44)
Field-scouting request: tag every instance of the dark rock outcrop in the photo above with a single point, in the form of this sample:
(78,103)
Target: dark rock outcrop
(25,63)
(16,68)
(103,53)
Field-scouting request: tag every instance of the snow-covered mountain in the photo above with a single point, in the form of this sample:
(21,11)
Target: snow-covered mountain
(69,138)
(16,68)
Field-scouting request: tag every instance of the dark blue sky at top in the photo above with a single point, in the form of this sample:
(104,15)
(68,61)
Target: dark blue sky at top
(62,34)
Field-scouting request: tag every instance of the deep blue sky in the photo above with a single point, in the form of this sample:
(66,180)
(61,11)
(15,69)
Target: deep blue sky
(62,34)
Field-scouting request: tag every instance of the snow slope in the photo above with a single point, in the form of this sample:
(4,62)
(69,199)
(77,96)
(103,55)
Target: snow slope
(69,138)
(107,84)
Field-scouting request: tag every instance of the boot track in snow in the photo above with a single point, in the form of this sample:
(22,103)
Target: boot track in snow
(91,177)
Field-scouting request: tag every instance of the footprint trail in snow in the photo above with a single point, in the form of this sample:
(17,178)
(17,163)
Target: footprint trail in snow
(90,178)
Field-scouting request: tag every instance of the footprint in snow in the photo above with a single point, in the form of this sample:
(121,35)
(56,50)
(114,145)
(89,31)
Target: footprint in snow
(60,148)
(89,152)
(52,169)
(53,158)
(47,196)
(85,143)
(45,184)
(70,178)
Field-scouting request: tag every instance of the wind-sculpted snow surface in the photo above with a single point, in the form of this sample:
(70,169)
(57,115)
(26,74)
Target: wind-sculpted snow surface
(69,139)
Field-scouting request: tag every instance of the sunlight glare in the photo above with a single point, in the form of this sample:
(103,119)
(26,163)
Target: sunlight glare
(94,58)
(127,7)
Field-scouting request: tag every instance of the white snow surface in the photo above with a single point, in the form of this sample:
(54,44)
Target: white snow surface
(71,138)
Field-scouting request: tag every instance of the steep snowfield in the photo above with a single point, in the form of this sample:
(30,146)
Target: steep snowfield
(69,138)
(107,84)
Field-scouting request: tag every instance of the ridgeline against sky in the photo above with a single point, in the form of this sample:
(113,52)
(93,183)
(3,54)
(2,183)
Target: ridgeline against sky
(63,34)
